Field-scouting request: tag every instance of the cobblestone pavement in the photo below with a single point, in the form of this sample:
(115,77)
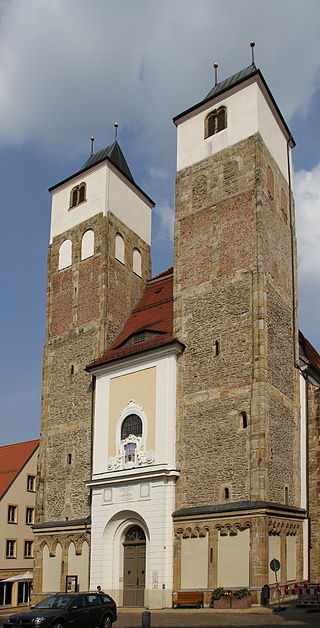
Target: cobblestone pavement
(190,618)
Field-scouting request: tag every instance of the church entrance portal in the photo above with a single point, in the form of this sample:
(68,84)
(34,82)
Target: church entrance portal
(134,567)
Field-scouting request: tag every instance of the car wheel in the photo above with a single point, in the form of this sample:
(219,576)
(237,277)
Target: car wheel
(58,624)
(106,622)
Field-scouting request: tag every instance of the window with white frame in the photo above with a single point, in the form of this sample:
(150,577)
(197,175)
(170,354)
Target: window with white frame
(31,483)
(136,262)
(65,255)
(29,515)
(87,244)
(28,549)
(11,548)
(119,248)
(12,514)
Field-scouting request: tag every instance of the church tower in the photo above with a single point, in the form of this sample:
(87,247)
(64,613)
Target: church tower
(98,265)
(238,436)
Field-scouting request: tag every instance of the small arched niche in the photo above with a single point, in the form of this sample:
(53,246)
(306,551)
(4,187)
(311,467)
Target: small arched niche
(65,254)
(119,248)
(136,262)
(87,244)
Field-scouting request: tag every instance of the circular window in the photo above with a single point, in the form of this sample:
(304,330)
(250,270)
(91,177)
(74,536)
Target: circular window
(132,424)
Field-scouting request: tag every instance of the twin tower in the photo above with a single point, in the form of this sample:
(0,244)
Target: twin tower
(188,383)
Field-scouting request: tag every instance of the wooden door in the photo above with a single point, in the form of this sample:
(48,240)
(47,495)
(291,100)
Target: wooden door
(134,567)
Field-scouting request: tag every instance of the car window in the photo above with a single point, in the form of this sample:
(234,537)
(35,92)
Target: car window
(61,601)
(105,599)
(92,600)
(46,603)
(78,601)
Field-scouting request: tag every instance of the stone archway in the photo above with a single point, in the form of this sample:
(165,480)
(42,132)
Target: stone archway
(134,566)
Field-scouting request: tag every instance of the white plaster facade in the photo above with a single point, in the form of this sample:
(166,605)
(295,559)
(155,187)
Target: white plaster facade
(249,111)
(136,494)
(303,467)
(107,190)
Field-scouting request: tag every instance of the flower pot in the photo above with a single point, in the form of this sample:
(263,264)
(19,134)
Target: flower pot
(240,602)
(222,602)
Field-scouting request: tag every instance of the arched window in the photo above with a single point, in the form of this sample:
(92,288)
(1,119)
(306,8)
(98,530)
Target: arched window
(226,493)
(82,193)
(132,424)
(119,248)
(215,121)
(134,535)
(74,197)
(136,262)
(87,244)
(77,195)
(244,420)
(65,254)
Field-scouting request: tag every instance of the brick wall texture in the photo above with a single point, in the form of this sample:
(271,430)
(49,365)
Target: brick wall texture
(86,305)
(234,264)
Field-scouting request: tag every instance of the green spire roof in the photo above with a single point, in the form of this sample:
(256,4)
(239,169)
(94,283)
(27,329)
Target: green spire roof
(224,86)
(233,80)
(115,155)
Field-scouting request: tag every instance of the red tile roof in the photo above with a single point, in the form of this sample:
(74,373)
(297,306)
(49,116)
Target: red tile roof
(309,351)
(154,313)
(12,460)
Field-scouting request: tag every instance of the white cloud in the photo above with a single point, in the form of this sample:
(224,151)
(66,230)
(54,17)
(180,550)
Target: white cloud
(69,69)
(307,195)
(307,199)
(165,221)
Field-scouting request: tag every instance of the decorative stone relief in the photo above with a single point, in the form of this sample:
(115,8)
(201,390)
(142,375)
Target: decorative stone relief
(191,533)
(233,529)
(131,452)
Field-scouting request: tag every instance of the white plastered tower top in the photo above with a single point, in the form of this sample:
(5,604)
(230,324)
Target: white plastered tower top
(250,109)
(109,188)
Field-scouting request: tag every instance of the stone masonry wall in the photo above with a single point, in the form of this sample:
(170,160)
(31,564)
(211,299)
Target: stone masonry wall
(233,311)
(86,305)
(313,396)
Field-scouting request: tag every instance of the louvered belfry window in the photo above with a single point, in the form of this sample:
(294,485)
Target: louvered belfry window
(216,121)
(132,424)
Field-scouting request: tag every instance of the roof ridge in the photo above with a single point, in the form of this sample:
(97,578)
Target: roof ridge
(161,275)
(230,80)
(25,442)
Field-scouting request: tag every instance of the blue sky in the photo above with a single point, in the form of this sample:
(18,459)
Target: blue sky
(68,70)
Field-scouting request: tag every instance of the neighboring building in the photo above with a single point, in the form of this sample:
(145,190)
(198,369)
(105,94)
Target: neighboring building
(189,435)
(18,468)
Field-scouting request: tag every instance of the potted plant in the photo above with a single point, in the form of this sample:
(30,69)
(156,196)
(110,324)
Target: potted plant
(220,598)
(241,599)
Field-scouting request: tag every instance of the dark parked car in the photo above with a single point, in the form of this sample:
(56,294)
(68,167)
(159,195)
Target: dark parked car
(79,610)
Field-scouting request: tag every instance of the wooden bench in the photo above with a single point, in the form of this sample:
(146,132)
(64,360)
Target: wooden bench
(187,598)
